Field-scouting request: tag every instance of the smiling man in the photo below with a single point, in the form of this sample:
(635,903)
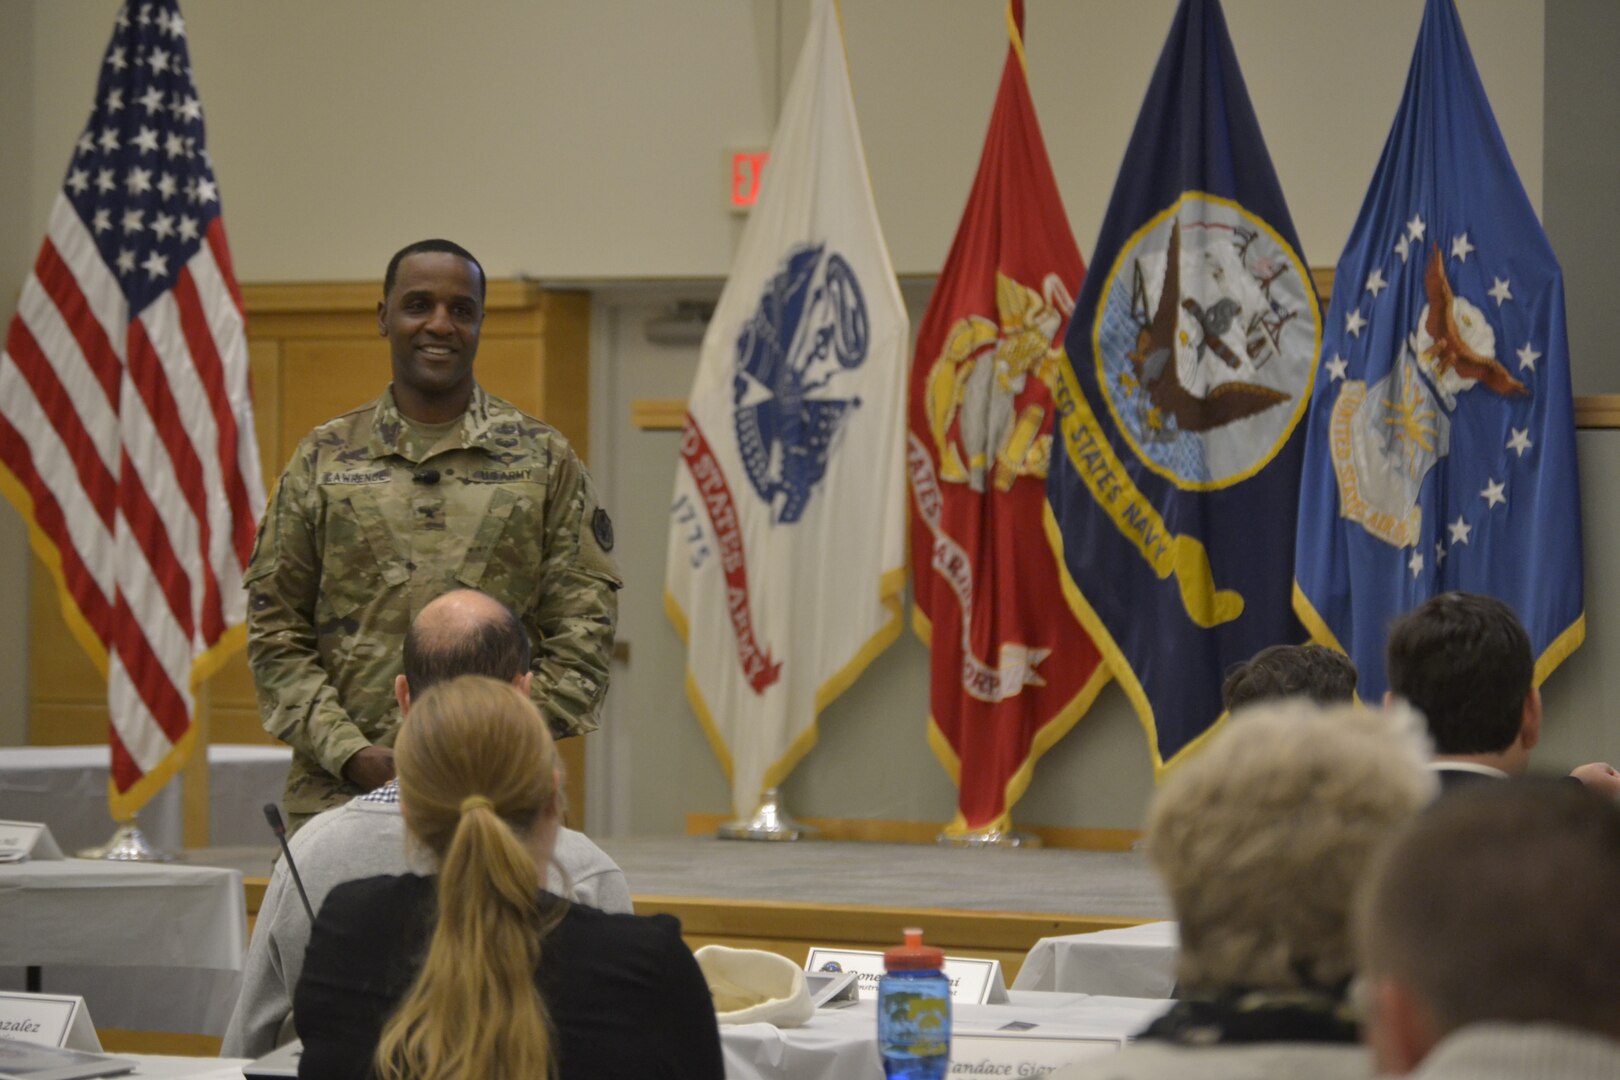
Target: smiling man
(435,485)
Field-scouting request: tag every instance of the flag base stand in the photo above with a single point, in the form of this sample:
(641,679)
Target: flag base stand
(769,822)
(128,844)
(983,838)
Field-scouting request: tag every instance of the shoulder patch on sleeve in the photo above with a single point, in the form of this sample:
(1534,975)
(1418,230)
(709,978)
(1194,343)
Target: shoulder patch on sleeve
(602,528)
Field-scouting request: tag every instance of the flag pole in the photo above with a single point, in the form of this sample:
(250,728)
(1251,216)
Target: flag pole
(768,822)
(128,844)
(993,835)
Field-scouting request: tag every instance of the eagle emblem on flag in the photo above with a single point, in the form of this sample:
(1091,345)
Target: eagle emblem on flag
(810,327)
(1202,350)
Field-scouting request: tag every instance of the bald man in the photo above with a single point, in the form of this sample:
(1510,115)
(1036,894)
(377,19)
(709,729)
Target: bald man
(461,633)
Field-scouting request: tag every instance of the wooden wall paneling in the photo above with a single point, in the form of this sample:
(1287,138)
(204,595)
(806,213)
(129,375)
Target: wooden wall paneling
(68,723)
(59,672)
(194,786)
(264,368)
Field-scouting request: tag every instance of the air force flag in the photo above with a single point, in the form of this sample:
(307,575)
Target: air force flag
(787,531)
(1441,447)
(1190,360)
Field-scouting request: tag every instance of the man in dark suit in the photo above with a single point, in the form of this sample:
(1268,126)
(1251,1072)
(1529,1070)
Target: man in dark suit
(1464,660)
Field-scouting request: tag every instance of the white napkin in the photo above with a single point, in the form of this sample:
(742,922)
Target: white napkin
(751,986)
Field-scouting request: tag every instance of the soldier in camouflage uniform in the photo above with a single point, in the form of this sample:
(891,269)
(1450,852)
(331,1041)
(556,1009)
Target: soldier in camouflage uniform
(436,485)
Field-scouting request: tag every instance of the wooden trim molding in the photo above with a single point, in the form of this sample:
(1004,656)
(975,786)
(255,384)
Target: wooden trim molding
(1597,411)
(650,415)
(1593,412)
(307,297)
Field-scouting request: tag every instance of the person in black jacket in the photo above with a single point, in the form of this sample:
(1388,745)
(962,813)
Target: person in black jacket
(1464,661)
(479,973)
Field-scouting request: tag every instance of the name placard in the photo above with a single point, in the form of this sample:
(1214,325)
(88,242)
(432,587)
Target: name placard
(1024,1053)
(20,840)
(973,981)
(48,1020)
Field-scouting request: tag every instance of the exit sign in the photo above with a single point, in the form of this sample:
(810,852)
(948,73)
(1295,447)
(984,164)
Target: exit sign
(745,169)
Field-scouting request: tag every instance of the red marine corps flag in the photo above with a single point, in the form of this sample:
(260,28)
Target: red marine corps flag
(126,422)
(1012,669)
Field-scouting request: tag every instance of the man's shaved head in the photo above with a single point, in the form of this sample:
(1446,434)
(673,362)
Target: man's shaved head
(465,632)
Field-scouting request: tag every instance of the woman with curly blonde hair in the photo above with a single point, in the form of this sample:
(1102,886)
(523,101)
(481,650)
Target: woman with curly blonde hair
(480,973)
(1261,840)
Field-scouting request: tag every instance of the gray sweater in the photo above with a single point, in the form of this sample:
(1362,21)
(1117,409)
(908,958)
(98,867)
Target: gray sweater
(1243,1061)
(1496,1051)
(364,838)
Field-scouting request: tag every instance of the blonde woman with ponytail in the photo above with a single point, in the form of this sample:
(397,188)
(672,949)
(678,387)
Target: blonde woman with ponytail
(482,975)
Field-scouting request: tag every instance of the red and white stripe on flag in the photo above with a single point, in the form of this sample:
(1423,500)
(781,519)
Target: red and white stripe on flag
(126,416)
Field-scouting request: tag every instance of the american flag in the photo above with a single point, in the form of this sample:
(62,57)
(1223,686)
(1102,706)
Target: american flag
(126,418)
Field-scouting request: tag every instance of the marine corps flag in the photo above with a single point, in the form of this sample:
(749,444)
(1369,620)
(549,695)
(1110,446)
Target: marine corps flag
(787,533)
(1012,669)
(1441,452)
(1190,362)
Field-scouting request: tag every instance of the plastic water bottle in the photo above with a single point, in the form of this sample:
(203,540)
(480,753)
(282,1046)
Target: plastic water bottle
(914,1012)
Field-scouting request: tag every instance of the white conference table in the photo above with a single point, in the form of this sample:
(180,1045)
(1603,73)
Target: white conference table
(836,1044)
(150,947)
(186,1068)
(66,788)
(841,1044)
(1134,961)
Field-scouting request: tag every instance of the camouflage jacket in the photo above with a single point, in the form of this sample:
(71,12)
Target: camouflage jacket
(358,539)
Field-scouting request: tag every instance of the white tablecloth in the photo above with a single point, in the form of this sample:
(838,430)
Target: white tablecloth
(841,1044)
(1136,961)
(66,787)
(837,1044)
(241,779)
(150,947)
(186,1068)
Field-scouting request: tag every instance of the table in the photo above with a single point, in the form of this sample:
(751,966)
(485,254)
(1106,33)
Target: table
(836,1044)
(841,1044)
(66,787)
(150,947)
(186,1068)
(241,779)
(1136,961)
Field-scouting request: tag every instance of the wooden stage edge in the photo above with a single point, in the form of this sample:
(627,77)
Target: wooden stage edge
(791,929)
(1593,412)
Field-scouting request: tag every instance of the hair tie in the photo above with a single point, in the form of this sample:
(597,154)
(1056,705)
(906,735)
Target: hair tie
(475,802)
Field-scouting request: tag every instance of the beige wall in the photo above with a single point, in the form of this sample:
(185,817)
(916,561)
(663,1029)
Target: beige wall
(1582,158)
(20,231)
(584,139)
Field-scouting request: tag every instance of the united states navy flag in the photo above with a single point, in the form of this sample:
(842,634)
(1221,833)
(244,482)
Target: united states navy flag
(1441,447)
(1189,365)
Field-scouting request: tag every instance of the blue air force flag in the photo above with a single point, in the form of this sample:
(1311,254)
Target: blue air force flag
(1441,448)
(787,532)
(1189,364)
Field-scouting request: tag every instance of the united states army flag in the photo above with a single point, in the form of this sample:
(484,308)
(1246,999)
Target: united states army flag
(787,529)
